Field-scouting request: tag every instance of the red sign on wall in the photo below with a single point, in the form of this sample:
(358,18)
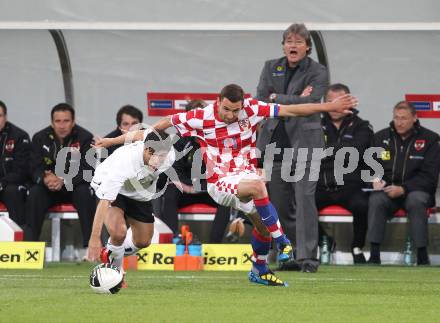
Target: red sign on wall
(426,105)
(164,104)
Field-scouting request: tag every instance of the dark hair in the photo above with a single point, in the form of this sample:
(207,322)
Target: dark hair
(194,104)
(301,30)
(131,110)
(405,105)
(338,87)
(3,106)
(63,107)
(232,92)
(157,141)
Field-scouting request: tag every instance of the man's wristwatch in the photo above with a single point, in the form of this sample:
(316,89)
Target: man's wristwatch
(272,97)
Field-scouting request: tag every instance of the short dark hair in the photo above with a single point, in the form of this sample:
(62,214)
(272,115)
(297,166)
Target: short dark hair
(195,104)
(131,110)
(301,30)
(157,141)
(232,92)
(3,106)
(338,87)
(63,107)
(405,105)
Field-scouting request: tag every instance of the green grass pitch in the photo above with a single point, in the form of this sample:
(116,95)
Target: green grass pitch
(60,293)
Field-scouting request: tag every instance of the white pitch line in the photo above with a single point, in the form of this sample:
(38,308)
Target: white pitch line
(315,279)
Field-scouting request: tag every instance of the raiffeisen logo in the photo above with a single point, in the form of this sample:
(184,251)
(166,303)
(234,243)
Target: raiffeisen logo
(245,258)
(215,257)
(5,257)
(21,255)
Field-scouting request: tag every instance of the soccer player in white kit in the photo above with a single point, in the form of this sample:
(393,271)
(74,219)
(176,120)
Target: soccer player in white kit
(227,135)
(125,183)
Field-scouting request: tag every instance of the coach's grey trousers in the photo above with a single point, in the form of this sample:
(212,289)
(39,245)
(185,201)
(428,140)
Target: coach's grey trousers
(296,207)
(381,208)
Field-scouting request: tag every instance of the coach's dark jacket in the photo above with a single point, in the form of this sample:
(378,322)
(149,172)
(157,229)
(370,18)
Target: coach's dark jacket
(45,148)
(14,158)
(413,163)
(303,132)
(353,132)
(184,165)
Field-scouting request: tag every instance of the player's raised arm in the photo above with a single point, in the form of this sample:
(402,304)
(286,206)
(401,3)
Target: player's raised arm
(132,136)
(342,104)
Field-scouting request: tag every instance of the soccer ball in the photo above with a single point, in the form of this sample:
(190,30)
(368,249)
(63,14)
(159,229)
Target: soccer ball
(106,279)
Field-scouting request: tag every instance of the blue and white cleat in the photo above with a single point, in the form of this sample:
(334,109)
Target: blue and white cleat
(286,252)
(268,279)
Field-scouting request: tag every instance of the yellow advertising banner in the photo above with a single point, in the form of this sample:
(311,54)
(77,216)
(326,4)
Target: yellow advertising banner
(215,257)
(157,257)
(227,256)
(21,255)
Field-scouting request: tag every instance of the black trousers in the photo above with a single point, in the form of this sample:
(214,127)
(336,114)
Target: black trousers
(173,199)
(353,199)
(40,199)
(13,196)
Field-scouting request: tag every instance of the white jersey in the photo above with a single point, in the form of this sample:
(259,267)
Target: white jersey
(124,172)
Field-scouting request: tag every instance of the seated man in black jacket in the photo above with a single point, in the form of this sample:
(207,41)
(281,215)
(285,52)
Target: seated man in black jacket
(341,131)
(188,193)
(411,168)
(14,165)
(49,187)
(127,117)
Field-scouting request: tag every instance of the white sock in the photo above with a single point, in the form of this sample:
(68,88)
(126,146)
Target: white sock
(117,254)
(129,247)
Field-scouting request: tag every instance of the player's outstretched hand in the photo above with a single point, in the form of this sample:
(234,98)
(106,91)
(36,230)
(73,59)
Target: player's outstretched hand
(345,103)
(101,142)
(94,249)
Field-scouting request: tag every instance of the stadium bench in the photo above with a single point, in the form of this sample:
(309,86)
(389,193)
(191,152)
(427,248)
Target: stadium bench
(197,212)
(56,214)
(3,210)
(9,230)
(194,212)
(338,214)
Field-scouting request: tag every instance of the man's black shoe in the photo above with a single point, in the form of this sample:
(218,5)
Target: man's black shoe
(309,268)
(358,256)
(423,262)
(422,257)
(291,265)
(374,261)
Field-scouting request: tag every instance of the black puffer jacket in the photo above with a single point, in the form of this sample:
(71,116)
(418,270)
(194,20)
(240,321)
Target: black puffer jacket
(14,155)
(45,148)
(413,163)
(353,132)
(184,165)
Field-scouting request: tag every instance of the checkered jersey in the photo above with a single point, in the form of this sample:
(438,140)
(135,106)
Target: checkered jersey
(227,149)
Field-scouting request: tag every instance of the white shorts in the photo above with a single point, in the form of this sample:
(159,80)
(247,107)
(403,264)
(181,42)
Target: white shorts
(225,191)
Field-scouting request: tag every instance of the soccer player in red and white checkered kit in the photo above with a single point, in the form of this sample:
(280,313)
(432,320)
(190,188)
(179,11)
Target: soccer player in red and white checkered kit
(227,134)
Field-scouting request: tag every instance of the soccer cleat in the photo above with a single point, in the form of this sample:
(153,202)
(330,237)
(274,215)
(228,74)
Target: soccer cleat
(286,252)
(105,258)
(105,255)
(268,279)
